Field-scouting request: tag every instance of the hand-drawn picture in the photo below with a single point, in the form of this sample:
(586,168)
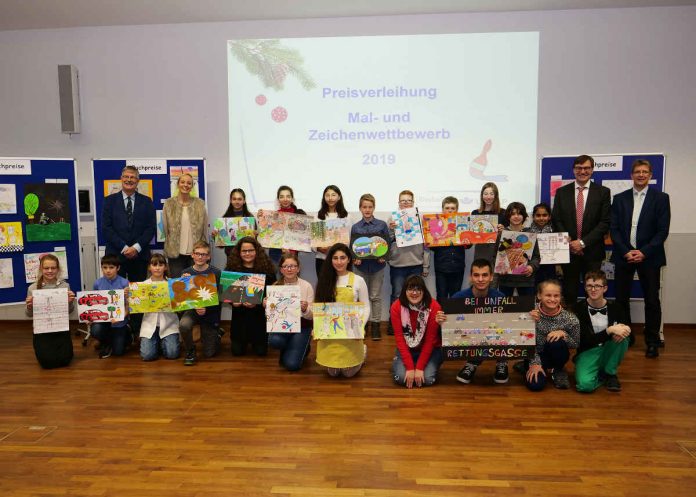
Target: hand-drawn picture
(477,228)
(47,209)
(242,287)
(160,236)
(554,248)
(8,199)
(283,313)
(284,230)
(440,230)
(50,310)
(372,247)
(514,252)
(114,186)
(175,173)
(232,229)
(408,228)
(328,232)
(336,320)
(193,292)
(96,306)
(31,265)
(148,297)
(6,273)
(11,237)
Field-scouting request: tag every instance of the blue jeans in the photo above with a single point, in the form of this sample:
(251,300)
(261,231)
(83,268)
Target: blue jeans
(293,347)
(447,284)
(553,356)
(150,347)
(430,372)
(398,275)
(118,338)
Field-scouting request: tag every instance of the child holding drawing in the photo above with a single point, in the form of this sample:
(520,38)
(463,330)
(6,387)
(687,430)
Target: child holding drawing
(515,217)
(113,337)
(159,330)
(331,208)
(294,347)
(541,223)
(52,350)
(450,261)
(237,208)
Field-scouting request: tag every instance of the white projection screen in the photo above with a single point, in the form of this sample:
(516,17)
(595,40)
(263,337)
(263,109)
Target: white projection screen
(436,114)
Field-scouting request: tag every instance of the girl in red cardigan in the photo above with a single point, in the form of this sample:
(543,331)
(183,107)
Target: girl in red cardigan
(415,317)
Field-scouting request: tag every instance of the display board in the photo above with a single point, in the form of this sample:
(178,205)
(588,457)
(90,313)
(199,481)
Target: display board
(38,214)
(612,171)
(158,179)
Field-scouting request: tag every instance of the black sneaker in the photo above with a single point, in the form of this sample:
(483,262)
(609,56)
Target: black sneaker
(190,358)
(374,330)
(560,379)
(612,383)
(104,351)
(501,373)
(466,374)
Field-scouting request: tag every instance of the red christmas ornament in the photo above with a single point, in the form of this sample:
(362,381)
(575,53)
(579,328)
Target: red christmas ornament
(279,114)
(261,99)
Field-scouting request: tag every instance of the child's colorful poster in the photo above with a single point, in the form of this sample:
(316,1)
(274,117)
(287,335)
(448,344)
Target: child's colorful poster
(554,248)
(50,310)
(11,237)
(477,228)
(283,313)
(284,230)
(160,227)
(408,228)
(514,252)
(488,327)
(336,320)
(440,229)
(193,292)
(47,209)
(100,306)
(369,247)
(6,273)
(31,265)
(242,287)
(328,232)
(8,199)
(175,172)
(114,186)
(148,297)
(232,229)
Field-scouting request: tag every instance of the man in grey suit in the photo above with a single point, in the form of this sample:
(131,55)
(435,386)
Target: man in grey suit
(582,209)
(640,220)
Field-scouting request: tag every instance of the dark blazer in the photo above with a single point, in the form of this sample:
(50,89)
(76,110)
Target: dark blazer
(652,230)
(595,219)
(115,227)
(588,338)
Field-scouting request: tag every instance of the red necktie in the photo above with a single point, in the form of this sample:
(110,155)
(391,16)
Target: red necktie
(580,209)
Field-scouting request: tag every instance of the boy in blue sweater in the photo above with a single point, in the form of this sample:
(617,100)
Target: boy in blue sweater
(114,337)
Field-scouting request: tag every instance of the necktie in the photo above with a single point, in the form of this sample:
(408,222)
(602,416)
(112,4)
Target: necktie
(594,311)
(129,210)
(580,210)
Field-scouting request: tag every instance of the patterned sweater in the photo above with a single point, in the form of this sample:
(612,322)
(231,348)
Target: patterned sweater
(565,321)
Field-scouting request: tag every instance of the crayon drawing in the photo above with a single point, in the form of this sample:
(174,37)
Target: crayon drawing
(11,237)
(50,310)
(477,228)
(160,227)
(408,228)
(283,314)
(193,292)
(373,247)
(97,306)
(47,209)
(6,273)
(514,252)
(242,287)
(335,320)
(271,228)
(8,199)
(231,229)
(148,297)
(328,232)
(284,230)
(440,230)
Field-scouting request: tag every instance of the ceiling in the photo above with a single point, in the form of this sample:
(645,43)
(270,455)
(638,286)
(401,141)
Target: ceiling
(47,14)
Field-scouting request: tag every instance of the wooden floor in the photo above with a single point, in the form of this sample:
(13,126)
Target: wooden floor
(231,426)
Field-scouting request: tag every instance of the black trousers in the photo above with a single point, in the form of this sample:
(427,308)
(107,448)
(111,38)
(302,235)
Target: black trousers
(649,277)
(134,270)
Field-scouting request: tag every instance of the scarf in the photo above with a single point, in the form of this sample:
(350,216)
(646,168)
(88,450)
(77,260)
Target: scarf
(414,338)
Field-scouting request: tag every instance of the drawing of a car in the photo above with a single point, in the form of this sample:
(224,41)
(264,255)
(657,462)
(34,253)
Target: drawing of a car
(91,315)
(93,299)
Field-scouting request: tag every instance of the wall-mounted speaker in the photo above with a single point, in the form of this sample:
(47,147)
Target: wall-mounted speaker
(69,94)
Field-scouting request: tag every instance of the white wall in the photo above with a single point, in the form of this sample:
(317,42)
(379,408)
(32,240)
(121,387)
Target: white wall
(614,80)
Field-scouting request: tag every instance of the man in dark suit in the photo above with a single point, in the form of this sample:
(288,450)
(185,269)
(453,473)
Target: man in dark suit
(128,224)
(639,227)
(582,209)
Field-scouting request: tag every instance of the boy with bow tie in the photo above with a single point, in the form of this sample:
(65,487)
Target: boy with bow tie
(603,337)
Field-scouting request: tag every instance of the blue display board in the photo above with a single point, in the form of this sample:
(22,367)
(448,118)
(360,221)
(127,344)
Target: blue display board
(612,171)
(51,213)
(155,181)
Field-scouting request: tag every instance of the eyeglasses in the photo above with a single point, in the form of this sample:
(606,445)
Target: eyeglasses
(579,168)
(200,254)
(289,266)
(414,290)
(594,287)
(247,251)
(405,201)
